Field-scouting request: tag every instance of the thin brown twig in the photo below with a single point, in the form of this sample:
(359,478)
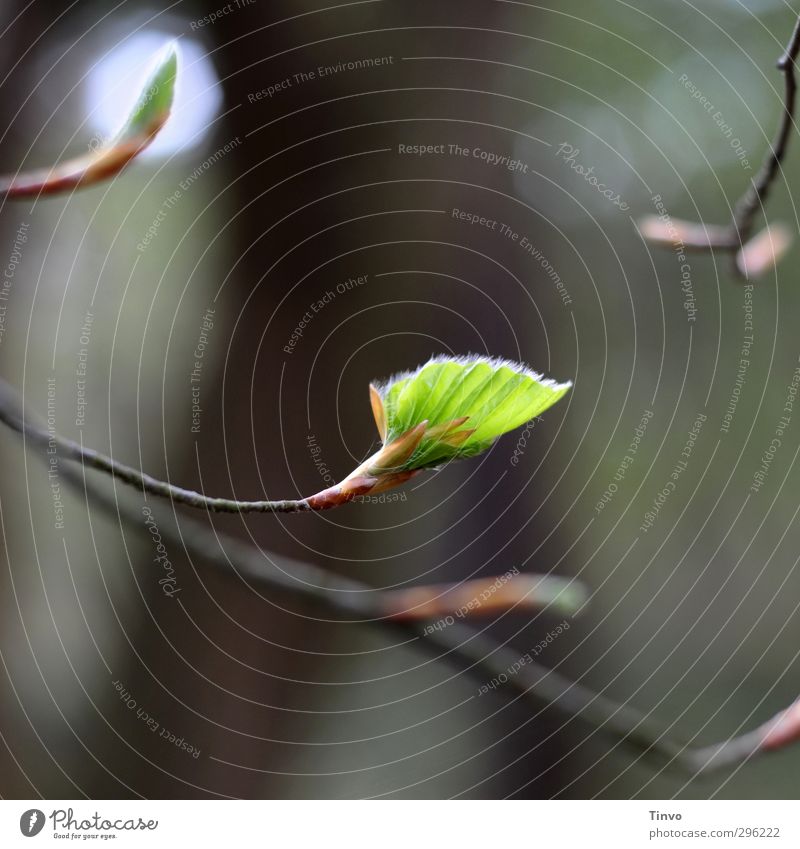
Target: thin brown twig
(379,472)
(753,199)
(11,414)
(80,172)
(149,114)
(698,236)
(475,651)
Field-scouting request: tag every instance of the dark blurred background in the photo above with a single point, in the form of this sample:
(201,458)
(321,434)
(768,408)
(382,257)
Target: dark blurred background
(262,201)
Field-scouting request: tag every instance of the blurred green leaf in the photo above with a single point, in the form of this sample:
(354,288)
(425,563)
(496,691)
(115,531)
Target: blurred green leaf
(154,103)
(147,117)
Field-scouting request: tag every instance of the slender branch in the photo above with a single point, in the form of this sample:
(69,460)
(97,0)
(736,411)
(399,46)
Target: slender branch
(621,721)
(406,451)
(11,414)
(777,733)
(80,172)
(145,121)
(482,596)
(483,657)
(374,475)
(734,237)
(479,654)
(751,202)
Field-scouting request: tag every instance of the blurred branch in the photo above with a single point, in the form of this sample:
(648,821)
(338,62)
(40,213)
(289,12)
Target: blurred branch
(749,204)
(148,116)
(690,235)
(482,596)
(751,259)
(777,733)
(498,665)
(82,171)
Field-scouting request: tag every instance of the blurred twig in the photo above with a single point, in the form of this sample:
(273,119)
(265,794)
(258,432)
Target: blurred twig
(767,248)
(749,204)
(777,733)
(145,121)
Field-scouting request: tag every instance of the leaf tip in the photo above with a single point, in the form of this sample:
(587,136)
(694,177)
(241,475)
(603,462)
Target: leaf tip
(156,97)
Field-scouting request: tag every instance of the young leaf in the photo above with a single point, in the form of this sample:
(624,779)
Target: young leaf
(147,117)
(467,402)
(452,407)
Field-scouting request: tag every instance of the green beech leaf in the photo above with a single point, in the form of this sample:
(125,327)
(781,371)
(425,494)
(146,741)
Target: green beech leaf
(466,403)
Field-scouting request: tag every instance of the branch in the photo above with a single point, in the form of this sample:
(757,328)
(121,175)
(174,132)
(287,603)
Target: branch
(526,592)
(483,657)
(473,650)
(145,121)
(749,204)
(409,445)
(11,414)
(756,255)
(777,733)
(357,483)
(495,594)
